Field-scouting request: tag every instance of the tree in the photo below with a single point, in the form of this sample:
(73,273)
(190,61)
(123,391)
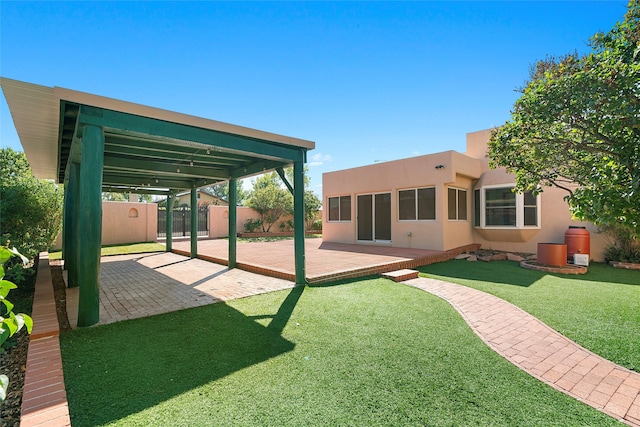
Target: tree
(221,191)
(270,199)
(113,197)
(30,208)
(124,197)
(577,127)
(13,165)
(312,203)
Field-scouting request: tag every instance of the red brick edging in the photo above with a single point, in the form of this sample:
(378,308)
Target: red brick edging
(44,398)
(625,265)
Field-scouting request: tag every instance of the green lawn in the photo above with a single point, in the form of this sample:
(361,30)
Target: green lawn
(133,248)
(600,310)
(361,353)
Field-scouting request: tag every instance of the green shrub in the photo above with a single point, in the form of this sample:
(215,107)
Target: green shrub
(30,209)
(317,225)
(10,322)
(625,246)
(252,225)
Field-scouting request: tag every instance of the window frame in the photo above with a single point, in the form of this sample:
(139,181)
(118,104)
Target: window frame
(340,205)
(416,204)
(519,209)
(457,207)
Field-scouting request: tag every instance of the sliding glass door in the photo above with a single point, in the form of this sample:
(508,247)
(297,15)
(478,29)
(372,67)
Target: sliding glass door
(374,217)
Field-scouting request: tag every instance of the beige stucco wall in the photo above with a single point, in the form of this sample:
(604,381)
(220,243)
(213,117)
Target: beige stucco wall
(389,177)
(466,171)
(555,219)
(219,219)
(126,222)
(555,216)
(477,143)
(129,222)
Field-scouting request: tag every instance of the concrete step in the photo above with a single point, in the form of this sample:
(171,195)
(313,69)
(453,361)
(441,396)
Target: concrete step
(401,275)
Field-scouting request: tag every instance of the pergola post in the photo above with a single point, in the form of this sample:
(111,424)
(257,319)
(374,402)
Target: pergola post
(70,226)
(233,224)
(298,221)
(169,223)
(90,225)
(194,223)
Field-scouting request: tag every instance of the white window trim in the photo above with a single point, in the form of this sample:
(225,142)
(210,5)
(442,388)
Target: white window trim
(447,205)
(519,210)
(415,189)
(340,208)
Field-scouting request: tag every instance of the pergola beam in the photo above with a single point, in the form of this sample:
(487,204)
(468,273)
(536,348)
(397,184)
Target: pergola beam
(167,169)
(180,134)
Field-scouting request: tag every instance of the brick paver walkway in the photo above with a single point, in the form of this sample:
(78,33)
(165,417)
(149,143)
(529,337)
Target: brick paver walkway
(133,286)
(542,352)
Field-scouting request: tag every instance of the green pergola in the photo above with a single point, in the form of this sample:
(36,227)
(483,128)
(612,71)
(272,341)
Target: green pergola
(94,144)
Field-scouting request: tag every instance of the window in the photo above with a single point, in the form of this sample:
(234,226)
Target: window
(457,207)
(340,208)
(476,208)
(530,209)
(501,207)
(417,203)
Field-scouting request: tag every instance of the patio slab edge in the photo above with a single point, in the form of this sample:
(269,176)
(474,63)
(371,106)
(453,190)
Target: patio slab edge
(344,274)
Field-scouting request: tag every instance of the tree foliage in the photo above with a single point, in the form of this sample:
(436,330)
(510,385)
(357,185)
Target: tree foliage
(124,197)
(577,127)
(221,191)
(13,165)
(270,199)
(30,208)
(10,322)
(312,203)
(114,197)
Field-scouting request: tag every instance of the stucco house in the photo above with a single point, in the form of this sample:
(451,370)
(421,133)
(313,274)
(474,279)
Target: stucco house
(443,201)
(204,199)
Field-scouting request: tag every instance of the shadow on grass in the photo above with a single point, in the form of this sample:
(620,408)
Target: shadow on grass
(339,282)
(510,273)
(130,366)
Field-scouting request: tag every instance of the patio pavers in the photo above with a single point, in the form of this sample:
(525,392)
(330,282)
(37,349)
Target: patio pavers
(542,352)
(133,286)
(325,261)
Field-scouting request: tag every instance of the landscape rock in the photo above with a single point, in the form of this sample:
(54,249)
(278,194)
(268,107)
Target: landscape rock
(499,257)
(463,256)
(486,258)
(472,258)
(514,257)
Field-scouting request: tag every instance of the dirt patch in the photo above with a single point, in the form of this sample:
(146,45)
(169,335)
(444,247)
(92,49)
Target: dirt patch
(60,294)
(13,364)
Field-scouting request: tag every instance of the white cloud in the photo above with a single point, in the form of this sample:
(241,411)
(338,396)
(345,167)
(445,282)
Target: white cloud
(319,159)
(415,153)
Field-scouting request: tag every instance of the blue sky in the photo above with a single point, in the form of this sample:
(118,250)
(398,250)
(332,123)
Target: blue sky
(370,81)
